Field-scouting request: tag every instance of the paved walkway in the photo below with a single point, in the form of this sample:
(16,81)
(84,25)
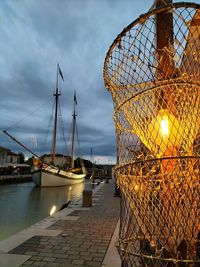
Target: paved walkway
(75,236)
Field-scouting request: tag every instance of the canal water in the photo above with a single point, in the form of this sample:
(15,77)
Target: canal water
(22,204)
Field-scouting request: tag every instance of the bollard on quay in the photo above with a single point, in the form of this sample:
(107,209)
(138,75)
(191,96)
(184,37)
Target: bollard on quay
(87,196)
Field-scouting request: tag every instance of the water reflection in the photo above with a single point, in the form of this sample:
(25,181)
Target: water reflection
(23,204)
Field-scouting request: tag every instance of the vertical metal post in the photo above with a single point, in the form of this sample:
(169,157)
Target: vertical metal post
(164,41)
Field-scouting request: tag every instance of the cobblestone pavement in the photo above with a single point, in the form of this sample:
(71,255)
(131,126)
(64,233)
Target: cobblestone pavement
(83,242)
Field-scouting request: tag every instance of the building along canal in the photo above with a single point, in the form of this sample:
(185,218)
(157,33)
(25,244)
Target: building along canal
(22,204)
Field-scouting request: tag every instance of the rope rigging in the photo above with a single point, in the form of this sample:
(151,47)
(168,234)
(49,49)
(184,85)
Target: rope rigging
(38,108)
(65,147)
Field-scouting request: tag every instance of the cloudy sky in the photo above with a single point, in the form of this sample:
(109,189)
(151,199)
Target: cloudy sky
(37,34)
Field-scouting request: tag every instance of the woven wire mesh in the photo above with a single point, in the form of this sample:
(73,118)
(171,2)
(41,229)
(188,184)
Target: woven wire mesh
(156,95)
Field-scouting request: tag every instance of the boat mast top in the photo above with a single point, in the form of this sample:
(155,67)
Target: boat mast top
(73,130)
(56,95)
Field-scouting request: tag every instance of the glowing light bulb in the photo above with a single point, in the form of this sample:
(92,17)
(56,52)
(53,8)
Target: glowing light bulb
(164,124)
(136,187)
(53,210)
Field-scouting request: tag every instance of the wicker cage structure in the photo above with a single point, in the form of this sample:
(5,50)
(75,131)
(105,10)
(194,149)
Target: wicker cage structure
(152,70)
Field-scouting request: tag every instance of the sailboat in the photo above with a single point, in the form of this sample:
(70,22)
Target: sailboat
(45,174)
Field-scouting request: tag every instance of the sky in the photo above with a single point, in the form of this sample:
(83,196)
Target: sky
(37,34)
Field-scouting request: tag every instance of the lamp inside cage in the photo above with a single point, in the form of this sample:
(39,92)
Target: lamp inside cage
(153,72)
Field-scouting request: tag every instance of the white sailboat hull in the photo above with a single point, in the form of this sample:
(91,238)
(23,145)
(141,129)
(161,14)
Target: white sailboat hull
(54,177)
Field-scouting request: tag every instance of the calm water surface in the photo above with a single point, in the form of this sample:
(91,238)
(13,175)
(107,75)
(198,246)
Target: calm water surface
(22,205)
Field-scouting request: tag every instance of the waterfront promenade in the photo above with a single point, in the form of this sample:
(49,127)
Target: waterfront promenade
(75,236)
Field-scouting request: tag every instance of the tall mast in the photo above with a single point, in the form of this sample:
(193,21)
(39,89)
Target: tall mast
(56,94)
(91,155)
(73,130)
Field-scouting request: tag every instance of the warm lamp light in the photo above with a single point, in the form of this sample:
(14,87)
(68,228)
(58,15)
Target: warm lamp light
(164,125)
(163,132)
(168,131)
